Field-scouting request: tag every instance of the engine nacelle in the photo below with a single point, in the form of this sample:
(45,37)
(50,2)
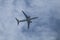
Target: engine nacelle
(30,21)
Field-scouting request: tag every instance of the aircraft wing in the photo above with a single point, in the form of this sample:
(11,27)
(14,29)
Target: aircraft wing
(25,14)
(28,24)
(34,18)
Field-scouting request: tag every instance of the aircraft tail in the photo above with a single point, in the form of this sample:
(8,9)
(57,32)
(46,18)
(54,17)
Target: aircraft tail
(17,21)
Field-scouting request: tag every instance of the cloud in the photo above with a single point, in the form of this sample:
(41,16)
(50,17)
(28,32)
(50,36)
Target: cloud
(46,27)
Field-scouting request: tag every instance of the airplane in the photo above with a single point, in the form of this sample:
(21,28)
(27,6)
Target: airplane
(28,19)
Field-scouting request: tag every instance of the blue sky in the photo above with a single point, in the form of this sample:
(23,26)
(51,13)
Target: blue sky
(46,27)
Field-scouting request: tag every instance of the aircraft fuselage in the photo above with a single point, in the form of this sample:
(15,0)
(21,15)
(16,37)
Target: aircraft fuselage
(29,19)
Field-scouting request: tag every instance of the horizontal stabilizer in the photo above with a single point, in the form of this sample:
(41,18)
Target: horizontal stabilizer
(17,21)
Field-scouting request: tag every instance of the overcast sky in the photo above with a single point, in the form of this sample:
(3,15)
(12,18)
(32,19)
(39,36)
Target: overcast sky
(46,27)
